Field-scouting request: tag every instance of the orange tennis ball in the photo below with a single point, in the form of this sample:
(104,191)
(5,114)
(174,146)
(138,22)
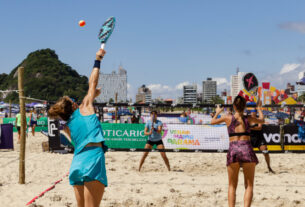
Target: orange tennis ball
(82,23)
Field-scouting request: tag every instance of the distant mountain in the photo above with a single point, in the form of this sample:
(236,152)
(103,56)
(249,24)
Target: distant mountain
(46,78)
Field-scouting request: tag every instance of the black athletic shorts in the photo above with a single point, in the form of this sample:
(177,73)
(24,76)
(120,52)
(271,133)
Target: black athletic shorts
(18,128)
(152,143)
(257,138)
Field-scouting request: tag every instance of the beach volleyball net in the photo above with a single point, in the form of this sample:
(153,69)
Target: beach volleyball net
(187,128)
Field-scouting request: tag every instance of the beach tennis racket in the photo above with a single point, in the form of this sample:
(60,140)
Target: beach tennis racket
(250,83)
(105,31)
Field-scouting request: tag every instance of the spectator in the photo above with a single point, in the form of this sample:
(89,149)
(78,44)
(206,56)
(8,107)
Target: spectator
(134,119)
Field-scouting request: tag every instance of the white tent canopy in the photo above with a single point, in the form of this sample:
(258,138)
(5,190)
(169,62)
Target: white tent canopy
(39,106)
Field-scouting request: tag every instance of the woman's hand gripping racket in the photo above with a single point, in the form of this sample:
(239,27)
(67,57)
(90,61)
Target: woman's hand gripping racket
(106,31)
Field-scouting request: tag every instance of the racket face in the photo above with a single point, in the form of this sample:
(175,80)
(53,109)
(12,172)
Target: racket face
(106,30)
(250,82)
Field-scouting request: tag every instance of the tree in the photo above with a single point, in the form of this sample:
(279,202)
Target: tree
(111,100)
(46,78)
(217,100)
(301,98)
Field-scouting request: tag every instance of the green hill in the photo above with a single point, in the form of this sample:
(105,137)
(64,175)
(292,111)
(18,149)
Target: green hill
(46,78)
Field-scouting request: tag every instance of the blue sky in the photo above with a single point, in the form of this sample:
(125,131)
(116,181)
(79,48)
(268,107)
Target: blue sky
(162,43)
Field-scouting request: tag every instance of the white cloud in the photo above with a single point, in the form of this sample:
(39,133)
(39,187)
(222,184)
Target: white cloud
(295,26)
(180,85)
(167,91)
(221,81)
(288,74)
(131,93)
(159,88)
(289,67)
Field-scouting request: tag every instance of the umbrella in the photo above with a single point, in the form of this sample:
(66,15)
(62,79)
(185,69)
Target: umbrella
(39,106)
(268,113)
(31,105)
(301,81)
(249,104)
(281,115)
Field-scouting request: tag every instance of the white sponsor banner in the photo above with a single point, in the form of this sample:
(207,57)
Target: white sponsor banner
(178,136)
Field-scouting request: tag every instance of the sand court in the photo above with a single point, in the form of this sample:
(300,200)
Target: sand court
(196,179)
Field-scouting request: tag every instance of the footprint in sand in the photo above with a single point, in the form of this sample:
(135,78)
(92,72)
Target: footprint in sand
(68,204)
(172,190)
(218,190)
(178,170)
(35,205)
(56,198)
(296,202)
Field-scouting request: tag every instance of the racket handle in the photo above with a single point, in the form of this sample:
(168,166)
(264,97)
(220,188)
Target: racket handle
(102,45)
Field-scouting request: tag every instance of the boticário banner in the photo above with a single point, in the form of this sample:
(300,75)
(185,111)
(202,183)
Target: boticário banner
(124,135)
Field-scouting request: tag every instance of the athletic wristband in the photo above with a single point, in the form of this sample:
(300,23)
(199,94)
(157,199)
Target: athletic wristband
(97,64)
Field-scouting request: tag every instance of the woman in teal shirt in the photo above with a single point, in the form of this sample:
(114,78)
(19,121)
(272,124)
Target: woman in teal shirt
(87,172)
(153,130)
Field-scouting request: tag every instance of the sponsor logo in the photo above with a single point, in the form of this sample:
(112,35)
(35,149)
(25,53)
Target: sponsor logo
(289,138)
(52,129)
(181,137)
(123,133)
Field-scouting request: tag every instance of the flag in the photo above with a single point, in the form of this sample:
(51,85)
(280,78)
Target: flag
(243,94)
(266,85)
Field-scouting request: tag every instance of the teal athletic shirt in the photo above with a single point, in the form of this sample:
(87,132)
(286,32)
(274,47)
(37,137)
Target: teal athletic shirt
(84,130)
(155,136)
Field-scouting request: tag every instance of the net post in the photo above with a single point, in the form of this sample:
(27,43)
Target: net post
(22,128)
(282,137)
(10,109)
(102,113)
(116,108)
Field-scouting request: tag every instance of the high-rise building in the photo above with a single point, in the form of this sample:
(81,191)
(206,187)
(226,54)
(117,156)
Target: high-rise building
(199,98)
(190,94)
(237,84)
(143,95)
(111,84)
(209,90)
(290,89)
(300,84)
